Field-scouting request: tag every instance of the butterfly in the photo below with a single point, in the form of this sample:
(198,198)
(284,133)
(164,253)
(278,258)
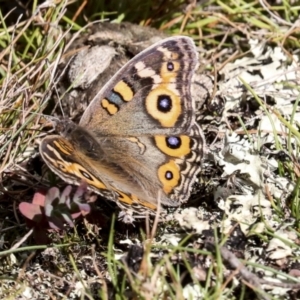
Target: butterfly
(137,143)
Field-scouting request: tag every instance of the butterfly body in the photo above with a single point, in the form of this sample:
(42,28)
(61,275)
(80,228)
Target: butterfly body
(138,137)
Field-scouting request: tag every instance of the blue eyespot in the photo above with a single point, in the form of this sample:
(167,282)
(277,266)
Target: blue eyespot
(170,66)
(173,142)
(86,175)
(164,103)
(169,175)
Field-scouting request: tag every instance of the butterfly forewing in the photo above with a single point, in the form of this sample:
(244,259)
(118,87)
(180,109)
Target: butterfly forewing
(151,94)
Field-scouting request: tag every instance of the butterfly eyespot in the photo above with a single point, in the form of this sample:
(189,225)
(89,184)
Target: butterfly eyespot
(169,175)
(164,103)
(173,142)
(176,146)
(169,71)
(170,66)
(86,175)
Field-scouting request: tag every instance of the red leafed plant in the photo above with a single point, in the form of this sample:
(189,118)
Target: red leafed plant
(52,209)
